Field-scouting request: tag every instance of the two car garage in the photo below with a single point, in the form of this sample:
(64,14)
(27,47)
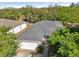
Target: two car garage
(29,45)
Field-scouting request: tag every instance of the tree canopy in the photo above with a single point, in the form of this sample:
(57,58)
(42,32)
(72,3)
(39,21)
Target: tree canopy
(64,43)
(59,13)
(8,43)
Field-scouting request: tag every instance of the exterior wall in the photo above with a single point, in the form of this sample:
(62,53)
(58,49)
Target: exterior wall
(23,25)
(29,45)
(18,28)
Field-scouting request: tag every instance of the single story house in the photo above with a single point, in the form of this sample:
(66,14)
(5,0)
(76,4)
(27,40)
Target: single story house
(34,36)
(15,26)
(31,38)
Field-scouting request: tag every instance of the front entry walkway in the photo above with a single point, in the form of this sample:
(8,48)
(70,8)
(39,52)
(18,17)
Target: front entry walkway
(24,53)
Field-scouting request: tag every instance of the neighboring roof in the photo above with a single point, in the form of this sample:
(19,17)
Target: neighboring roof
(10,23)
(39,29)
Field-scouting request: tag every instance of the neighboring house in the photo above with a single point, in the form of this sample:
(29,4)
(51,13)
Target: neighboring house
(18,28)
(15,26)
(34,36)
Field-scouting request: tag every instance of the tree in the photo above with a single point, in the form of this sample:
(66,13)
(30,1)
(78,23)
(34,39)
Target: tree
(72,5)
(65,43)
(52,12)
(8,43)
(77,4)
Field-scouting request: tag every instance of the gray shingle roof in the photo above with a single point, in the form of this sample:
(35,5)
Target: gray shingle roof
(38,30)
(9,23)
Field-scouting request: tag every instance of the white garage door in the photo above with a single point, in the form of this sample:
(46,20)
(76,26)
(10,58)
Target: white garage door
(28,45)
